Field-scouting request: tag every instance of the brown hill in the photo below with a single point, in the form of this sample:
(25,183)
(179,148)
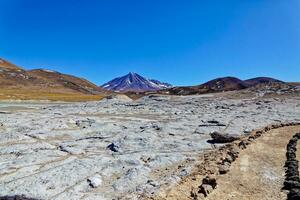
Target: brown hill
(16,83)
(55,80)
(259,80)
(12,76)
(215,85)
(223,84)
(220,85)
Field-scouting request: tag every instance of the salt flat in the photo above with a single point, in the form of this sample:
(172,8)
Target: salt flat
(119,149)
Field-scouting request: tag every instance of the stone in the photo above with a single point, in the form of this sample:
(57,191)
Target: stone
(243,144)
(205,189)
(224,168)
(247,131)
(113,147)
(210,180)
(218,137)
(95,181)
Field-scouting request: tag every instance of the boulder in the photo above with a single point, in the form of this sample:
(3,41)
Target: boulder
(222,137)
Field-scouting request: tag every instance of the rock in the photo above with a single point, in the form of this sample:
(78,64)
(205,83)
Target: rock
(152,183)
(291,184)
(294,194)
(222,138)
(95,181)
(229,159)
(194,194)
(292,180)
(210,180)
(233,152)
(207,186)
(205,189)
(156,127)
(243,144)
(224,168)
(113,147)
(183,172)
(247,131)
(212,123)
(16,197)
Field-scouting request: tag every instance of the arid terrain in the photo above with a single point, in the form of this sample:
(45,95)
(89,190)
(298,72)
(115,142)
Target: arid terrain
(117,148)
(149,100)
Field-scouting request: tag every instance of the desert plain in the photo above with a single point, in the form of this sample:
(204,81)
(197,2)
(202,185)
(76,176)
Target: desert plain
(117,148)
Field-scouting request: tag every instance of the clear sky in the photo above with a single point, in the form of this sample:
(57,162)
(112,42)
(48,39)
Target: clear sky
(184,42)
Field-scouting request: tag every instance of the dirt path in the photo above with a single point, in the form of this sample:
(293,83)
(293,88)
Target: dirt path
(257,174)
(259,171)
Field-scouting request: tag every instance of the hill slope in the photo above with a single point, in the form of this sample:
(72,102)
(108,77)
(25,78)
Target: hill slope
(56,79)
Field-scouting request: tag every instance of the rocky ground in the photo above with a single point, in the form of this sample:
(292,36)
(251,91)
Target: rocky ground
(117,148)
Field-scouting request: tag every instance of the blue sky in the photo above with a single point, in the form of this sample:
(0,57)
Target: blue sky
(181,42)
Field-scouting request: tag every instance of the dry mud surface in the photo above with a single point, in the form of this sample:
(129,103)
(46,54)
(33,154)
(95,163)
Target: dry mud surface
(117,149)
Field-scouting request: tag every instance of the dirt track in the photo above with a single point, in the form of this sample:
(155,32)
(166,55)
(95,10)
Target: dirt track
(259,171)
(257,174)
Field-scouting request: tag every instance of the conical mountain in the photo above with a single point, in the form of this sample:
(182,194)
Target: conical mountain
(135,83)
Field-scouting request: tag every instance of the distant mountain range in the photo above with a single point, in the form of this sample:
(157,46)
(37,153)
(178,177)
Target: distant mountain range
(16,79)
(133,82)
(219,85)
